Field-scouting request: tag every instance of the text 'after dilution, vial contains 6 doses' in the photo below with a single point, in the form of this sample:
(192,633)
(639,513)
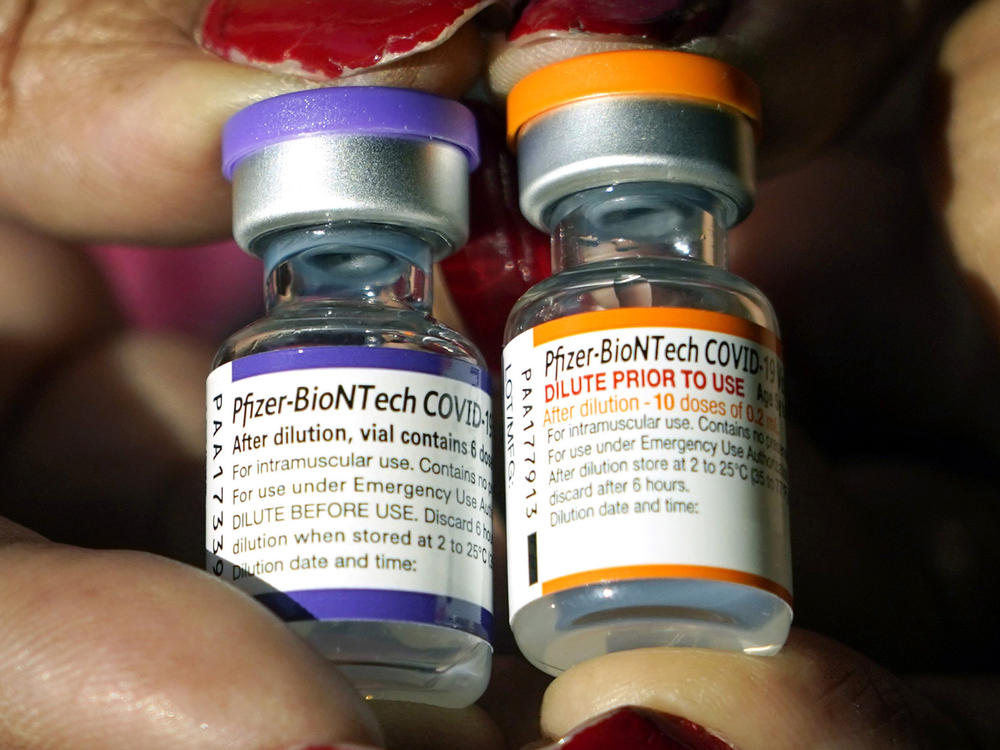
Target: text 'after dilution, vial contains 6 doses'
(642,383)
(349,433)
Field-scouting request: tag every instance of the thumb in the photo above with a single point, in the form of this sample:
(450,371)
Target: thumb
(115,650)
(111,111)
(966,130)
(815,694)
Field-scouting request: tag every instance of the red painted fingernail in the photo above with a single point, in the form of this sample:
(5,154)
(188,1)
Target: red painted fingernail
(550,30)
(326,39)
(634,727)
(505,255)
(668,21)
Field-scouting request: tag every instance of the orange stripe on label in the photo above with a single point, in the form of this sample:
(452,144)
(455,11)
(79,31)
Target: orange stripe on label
(705,572)
(654,317)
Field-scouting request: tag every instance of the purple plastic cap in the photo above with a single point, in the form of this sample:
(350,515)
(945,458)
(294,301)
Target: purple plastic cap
(349,110)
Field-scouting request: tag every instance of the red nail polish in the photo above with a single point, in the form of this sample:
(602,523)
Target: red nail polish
(325,39)
(550,30)
(634,727)
(504,255)
(667,21)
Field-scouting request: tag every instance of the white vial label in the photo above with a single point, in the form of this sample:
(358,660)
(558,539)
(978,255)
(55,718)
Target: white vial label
(353,483)
(644,443)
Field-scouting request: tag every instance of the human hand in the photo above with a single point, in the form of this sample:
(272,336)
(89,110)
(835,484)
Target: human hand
(82,374)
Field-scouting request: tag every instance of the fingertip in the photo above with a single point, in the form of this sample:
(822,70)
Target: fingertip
(52,300)
(692,683)
(965,164)
(113,650)
(814,693)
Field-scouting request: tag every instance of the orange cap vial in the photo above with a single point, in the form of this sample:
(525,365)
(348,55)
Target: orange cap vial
(639,116)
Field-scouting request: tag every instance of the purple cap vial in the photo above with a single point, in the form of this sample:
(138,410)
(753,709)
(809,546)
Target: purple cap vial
(322,156)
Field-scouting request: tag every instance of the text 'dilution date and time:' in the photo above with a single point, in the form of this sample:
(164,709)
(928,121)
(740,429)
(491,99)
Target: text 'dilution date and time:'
(357,477)
(723,419)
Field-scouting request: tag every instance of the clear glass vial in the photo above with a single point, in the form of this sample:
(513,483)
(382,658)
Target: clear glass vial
(637,163)
(349,196)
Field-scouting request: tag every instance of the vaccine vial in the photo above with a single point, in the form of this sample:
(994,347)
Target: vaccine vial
(642,382)
(349,432)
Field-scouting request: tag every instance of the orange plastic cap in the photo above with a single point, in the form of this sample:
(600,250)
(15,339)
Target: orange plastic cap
(666,73)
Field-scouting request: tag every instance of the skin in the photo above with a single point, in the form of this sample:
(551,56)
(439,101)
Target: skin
(968,146)
(122,179)
(816,693)
(109,649)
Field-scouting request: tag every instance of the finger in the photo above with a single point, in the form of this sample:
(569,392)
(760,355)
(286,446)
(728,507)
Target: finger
(815,693)
(109,450)
(863,289)
(112,112)
(786,46)
(967,169)
(109,650)
(11,532)
(104,428)
(332,40)
(51,301)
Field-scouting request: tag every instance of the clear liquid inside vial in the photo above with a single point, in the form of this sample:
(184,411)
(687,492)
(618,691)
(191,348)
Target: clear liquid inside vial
(643,250)
(565,628)
(310,305)
(404,661)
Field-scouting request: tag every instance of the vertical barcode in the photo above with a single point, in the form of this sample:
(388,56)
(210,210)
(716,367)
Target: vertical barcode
(532,559)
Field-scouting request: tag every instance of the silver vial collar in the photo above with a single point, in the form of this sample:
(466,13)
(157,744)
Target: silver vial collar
(612,140)
(420,184)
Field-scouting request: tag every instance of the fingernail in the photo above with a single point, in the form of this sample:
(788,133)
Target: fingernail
(668,21)
(504,255)
(634,727)
(327,39)
(558,29)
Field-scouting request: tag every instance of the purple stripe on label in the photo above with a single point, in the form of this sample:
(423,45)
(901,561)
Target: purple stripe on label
(360,356)
(376,604)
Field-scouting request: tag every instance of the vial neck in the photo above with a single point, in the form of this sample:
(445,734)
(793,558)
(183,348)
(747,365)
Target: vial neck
(638,220)
(349,263)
